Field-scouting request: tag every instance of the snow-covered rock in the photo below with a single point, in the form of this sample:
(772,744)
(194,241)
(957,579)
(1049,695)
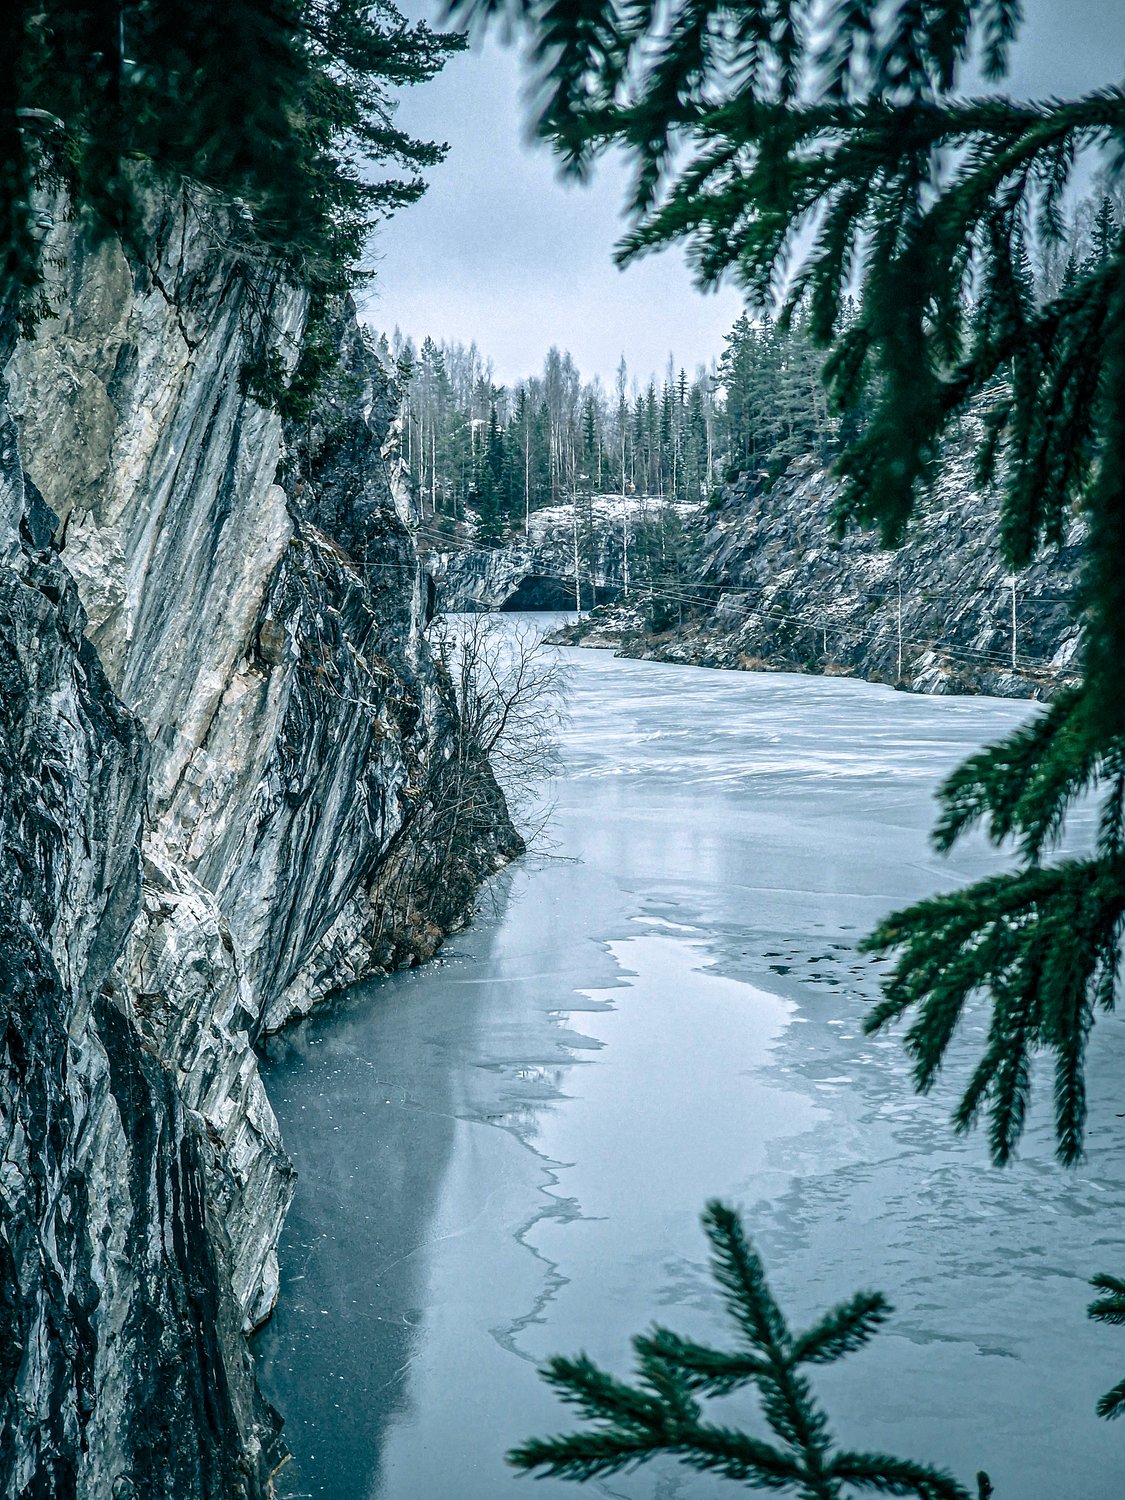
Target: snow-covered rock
(536,571)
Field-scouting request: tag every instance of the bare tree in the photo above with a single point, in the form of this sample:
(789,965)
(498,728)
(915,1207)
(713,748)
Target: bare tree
(511,691)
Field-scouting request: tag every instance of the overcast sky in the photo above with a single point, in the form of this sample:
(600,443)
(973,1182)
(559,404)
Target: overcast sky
(502,251)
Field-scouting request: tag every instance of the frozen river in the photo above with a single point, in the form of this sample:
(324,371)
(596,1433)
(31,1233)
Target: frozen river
(504,1155)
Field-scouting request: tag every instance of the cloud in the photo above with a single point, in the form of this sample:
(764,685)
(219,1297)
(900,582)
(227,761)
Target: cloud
(504,251)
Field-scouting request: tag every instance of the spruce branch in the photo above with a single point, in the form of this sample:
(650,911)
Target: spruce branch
(843,1330)
(823,153)
(823,156)
(710,1371)
(1112,1404)
(142,92)
(894,1476)
(660,1415)
(1110,1309)
(1043,942)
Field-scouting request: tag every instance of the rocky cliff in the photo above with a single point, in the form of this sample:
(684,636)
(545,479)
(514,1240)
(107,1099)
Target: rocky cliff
(536,571)
(770,585)
(231,780)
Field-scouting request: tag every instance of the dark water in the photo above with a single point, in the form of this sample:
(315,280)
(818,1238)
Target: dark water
(504,1155)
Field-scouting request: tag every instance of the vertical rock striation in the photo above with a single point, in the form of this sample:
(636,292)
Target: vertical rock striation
(228,773)
(122,1364)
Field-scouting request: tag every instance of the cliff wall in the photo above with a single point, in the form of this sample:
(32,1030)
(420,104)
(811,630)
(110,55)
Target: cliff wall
(537,571)
(228,770)
(768,584)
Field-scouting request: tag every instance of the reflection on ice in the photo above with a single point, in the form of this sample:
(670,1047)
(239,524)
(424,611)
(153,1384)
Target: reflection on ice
(504,1156)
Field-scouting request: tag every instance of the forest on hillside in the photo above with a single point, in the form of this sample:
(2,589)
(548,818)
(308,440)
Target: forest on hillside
(474,448)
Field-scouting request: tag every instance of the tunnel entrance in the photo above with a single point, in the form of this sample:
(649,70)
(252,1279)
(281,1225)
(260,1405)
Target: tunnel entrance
(537,593)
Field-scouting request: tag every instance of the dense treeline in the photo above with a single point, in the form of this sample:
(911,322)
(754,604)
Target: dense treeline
(501,452)
(507,451)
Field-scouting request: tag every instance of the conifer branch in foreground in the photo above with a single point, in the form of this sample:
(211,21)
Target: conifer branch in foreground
(1110,1308)
(661,1415)
(826,159)
(819,153)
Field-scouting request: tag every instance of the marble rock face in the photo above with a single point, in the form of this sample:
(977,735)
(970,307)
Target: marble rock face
(226,756)
(773,585)
(536,570)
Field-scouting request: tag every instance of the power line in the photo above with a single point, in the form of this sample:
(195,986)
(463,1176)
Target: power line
(681,594)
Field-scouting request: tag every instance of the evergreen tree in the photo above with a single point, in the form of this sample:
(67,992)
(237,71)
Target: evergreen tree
(621,419)
(489,484)
(1106,232)
(747,126)
(279,107)
(1110,1308)
(662,1414)
(696,461)
(666,443)
(591,439)
(739,374)
(512,476)
(776,406)
(543,468)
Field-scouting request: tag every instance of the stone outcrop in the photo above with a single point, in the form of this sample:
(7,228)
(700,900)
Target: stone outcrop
(536,571)
(231,780)
(122,1363)
(770,585)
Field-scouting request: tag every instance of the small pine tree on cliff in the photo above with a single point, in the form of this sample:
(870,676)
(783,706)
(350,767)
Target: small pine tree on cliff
(282,105)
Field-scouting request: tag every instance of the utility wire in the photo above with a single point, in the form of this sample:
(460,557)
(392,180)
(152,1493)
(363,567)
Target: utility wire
(681,594)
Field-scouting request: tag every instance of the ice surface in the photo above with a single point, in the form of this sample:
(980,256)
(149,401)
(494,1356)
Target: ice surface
(504,1155)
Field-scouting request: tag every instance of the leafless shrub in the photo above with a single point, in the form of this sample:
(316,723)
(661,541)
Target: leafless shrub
(511,689)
